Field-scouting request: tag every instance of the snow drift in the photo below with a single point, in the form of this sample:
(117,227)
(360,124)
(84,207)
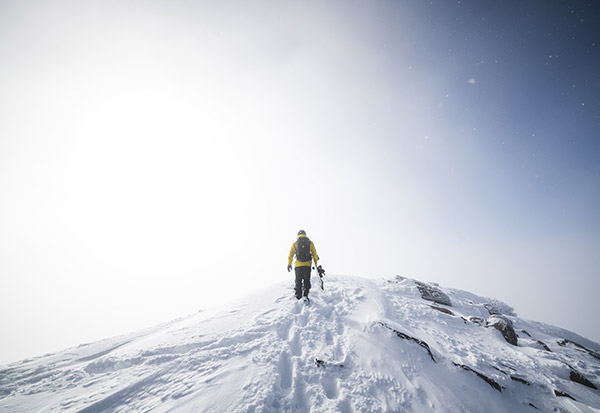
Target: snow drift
(361,346)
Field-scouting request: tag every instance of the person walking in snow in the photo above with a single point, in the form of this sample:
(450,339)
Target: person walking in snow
(305,252)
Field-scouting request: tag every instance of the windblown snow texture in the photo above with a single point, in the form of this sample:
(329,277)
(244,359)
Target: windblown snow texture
(361,346)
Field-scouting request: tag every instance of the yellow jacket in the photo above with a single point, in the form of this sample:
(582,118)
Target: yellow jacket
(313,252)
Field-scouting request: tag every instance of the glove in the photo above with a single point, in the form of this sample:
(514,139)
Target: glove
(289,268)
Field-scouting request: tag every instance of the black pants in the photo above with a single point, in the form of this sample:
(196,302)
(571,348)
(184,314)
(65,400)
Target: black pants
(302,281)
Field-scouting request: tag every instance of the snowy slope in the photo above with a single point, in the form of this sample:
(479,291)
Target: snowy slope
(380,346)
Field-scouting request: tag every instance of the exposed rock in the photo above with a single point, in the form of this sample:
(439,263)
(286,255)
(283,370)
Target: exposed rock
(497,307)
(431,293)
(476,320)
(579,378)
(323,363)
(504,325)
(441,309)
(541,343)
(525,332)
(491,309)
(407,337)
(563,394)
(520,380)
(564,342)
(481,376)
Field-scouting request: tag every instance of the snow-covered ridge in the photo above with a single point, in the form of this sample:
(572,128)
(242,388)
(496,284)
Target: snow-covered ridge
(361,345)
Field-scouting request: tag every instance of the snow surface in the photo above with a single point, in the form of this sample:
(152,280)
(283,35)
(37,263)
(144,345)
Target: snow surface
(258,355)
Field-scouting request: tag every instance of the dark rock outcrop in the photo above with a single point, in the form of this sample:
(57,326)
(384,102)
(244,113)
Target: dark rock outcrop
(579,378)
(323,363)
(541,343)
(491,309)
(431,293)
(407,337)
(504,325)
(442,310)
(498,307)
(559,393)
(520,380)
(481,376)
(564,342)
(476,320)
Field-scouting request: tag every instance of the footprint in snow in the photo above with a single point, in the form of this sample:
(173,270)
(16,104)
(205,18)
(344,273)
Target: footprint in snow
(328,337)
(295,345)
(284,368)
(303,320)
(344,406)
(283,329)
(330,386)
(297,308)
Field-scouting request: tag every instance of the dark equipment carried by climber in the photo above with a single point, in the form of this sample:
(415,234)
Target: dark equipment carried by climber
(321,272)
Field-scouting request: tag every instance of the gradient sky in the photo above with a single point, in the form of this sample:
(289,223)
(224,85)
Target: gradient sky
(158,157)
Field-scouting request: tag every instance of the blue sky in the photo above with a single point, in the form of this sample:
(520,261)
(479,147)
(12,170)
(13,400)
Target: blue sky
(157,158)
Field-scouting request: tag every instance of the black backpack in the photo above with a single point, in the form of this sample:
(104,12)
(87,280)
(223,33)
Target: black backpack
(303,249)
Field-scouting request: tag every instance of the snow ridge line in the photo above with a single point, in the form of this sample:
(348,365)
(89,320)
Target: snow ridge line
(102,353)
(272,353)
